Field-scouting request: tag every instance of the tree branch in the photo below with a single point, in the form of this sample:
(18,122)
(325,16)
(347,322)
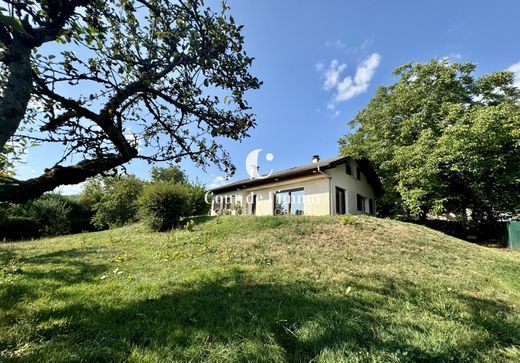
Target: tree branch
(64,11)
(17,191)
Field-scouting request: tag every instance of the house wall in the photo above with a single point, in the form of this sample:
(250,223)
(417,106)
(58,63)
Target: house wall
(351,185)
(316,199)
(319,190)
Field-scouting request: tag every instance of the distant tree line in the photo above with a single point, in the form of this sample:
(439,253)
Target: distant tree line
(108,202)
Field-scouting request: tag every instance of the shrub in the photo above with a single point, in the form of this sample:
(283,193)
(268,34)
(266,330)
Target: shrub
(80,216)
(197,200)
(51,212)
(118,203)
(19,227)
(163,205)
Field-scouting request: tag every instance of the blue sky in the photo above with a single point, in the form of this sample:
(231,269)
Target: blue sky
(321,62)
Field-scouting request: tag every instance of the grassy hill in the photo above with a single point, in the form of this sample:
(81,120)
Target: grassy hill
(260,289)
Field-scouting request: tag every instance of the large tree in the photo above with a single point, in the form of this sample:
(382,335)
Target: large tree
(443,140)
(116,80)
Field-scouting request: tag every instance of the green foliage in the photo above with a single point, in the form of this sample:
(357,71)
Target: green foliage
(198,203)
(80,215)
(171,76)
(189,226)
(52,213)
(115,200)
(348,220)
(442,140)
(172,174)
(11,154)
(163,205)
(93,191)
(12,22)
(19,227)
(238,208)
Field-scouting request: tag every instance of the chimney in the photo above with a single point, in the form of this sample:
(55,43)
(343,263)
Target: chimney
(315,159)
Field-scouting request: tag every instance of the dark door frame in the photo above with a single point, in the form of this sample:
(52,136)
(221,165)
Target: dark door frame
(339,192)
(253,205)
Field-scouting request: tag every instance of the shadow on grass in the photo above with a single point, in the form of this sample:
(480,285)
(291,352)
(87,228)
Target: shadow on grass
(20,284)
(234,312)
(65,267)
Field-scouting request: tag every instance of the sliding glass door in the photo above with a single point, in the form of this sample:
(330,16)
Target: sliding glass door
(289,202)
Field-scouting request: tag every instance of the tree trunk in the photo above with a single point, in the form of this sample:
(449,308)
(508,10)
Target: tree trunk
(17,90)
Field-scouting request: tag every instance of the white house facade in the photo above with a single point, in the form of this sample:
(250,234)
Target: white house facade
(340,185)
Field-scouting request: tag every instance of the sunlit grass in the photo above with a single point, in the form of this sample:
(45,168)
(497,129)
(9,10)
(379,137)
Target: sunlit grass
(260,289)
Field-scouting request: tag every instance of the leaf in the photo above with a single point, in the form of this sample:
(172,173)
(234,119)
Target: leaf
(13,23)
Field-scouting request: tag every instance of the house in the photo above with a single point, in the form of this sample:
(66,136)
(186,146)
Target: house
(339,185)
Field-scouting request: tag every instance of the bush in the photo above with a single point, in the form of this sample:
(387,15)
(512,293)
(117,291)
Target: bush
(197,200)
(19,227)
(163,205)
(80,216)
(51,212)
(118,202)
(49,215)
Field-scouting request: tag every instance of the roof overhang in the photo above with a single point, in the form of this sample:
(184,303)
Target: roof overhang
(264,181)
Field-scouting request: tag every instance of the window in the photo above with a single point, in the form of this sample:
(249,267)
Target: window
(371,206)
(340,201)
(358,173)
(216,205)
(289,202)
(360,203)
(348,168)
(229,202)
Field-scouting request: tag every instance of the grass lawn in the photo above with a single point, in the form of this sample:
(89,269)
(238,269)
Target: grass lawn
(260,289)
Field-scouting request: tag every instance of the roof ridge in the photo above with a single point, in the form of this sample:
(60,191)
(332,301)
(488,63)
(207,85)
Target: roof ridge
(274,174)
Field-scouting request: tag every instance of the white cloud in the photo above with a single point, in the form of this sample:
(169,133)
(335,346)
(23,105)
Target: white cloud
(456,56)
(515,68)
(333,73)
(336,44)
(133,140)
(218,181)
(74,189)
(349,86)
(319,66)
(453,57)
